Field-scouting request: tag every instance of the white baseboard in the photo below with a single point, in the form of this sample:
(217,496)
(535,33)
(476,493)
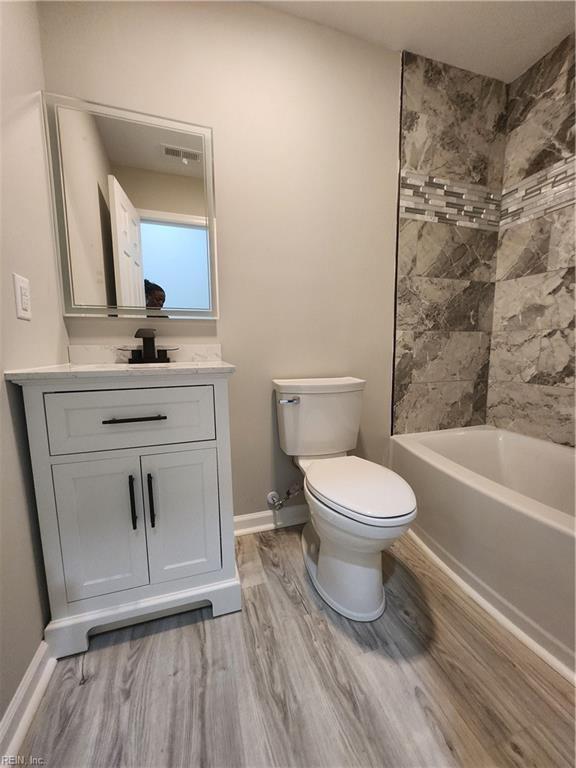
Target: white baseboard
(269,520)
(556,664)
(22,708)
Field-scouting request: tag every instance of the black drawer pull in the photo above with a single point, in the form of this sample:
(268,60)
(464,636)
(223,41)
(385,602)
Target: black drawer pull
(134,420)
(151,502)
(132,502)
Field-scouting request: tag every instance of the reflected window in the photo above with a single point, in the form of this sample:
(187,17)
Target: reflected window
(176,258)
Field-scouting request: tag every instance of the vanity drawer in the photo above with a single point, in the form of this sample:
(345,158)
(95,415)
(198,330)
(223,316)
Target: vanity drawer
(79,422)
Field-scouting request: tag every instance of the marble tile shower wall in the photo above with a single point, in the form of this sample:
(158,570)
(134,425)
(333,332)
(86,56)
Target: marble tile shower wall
(452,153)
(531,383)
(480,291)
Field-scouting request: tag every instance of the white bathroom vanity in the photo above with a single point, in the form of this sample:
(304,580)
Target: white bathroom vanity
(133,487)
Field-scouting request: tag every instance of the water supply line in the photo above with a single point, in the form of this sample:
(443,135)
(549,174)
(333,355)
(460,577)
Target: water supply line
(276,502)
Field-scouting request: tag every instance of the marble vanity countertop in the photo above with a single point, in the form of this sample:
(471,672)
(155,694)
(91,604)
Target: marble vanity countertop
(72,371)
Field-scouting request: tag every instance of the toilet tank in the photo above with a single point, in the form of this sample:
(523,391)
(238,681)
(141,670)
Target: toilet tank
(318,417)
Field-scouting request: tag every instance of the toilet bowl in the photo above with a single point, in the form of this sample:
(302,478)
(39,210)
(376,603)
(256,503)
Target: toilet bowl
(357,507)
(357,510)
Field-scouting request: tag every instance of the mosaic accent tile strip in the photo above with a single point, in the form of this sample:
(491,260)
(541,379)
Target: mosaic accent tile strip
(539,194)
(432,199)
(439,200)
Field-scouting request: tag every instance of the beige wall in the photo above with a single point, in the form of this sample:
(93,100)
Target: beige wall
(305,124)
(86,167)
(305,128)
(26,248)
(167,192)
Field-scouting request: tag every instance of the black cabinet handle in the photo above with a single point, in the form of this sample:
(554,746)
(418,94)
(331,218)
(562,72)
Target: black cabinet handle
(134,420)
(132,502)
(151,502)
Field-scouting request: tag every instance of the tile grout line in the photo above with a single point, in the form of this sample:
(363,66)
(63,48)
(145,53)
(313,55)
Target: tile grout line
(495,281)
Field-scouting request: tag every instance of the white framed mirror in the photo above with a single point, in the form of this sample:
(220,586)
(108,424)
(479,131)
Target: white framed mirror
(134,215)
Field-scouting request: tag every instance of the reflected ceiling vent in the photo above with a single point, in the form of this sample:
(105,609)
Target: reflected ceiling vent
(182,154)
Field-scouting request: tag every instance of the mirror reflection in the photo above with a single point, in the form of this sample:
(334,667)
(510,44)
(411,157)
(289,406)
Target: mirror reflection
(135,213)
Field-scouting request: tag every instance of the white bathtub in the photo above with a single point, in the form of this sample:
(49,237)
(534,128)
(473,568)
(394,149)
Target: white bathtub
(498,509)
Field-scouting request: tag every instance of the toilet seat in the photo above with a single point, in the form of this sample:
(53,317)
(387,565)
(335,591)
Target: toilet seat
(362,491)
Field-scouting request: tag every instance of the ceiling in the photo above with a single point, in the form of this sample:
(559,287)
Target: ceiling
(496,38)
(141,146)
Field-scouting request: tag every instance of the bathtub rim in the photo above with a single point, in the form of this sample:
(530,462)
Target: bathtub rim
(561,521)
(528,631)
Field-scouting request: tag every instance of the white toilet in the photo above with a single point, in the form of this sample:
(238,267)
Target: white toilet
(357,508)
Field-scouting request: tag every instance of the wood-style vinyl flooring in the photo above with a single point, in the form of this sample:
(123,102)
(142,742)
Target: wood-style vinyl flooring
(287,682)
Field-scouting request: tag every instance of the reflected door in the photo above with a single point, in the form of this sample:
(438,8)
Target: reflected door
(128,270)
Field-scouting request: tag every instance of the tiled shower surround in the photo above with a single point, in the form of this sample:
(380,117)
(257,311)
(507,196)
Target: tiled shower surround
(531,386)
(485,294)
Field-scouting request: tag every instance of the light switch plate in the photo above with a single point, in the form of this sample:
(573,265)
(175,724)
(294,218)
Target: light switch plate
(22,296)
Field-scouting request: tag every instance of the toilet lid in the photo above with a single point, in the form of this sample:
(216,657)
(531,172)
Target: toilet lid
(350,484)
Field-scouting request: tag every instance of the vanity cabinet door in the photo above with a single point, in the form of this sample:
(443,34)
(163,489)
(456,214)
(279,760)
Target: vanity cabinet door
(182,513)
(101,522)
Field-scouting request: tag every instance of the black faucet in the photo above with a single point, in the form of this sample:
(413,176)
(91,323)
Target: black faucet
(148,353)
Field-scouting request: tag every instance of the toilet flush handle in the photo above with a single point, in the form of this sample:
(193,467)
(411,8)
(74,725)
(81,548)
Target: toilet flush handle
(289,401)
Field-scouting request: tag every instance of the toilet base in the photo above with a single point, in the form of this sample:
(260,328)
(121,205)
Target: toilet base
(311,552)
